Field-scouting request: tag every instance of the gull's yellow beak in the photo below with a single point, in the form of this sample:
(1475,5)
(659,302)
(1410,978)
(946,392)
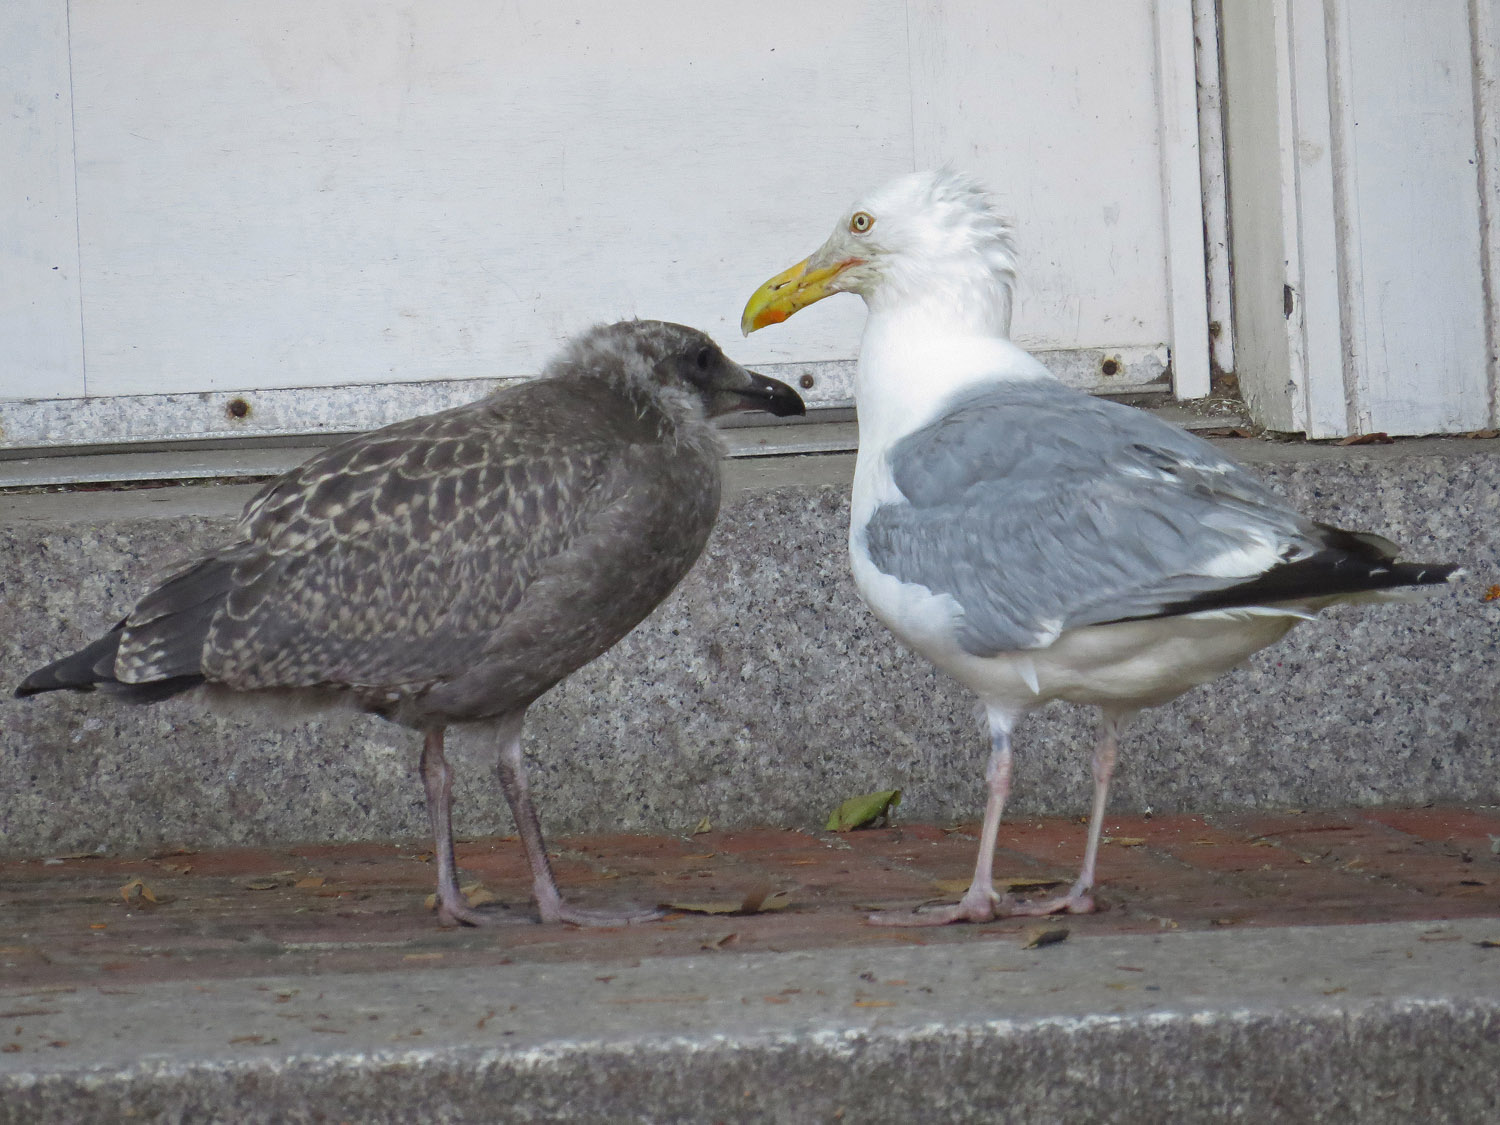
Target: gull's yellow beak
(790,290)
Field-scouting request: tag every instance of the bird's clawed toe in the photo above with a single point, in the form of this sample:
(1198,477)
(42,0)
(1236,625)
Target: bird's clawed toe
(462,914)
(1074,902)
(976,906)
(578,917)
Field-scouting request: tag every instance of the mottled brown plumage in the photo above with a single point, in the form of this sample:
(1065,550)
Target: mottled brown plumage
(454,567)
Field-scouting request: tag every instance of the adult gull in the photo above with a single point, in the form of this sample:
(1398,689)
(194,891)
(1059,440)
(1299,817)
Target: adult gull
(452,568)
(1034,542)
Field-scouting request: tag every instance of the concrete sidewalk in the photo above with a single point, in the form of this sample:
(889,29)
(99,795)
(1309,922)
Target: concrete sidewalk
(1333,965)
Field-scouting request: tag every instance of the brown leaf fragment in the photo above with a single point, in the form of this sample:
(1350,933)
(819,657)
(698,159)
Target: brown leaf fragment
(250,1039)
(1379,438)
(1126,841)
(169,852)
(1492,594)
(136,890)
(720,943)
(951,886)
(422,957)
(874,1003)
(262,884)
(1024,884)
(310,883)
(1482,434)
(703,826)
(1038,936)
(11,1048)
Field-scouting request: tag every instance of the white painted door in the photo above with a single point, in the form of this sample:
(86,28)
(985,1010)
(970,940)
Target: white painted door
(1365,198)
(279,196)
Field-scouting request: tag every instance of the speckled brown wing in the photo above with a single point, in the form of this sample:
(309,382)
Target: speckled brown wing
(399,561)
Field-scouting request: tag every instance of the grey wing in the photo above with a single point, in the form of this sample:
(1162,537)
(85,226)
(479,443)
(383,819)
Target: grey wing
(1039,509)
(387,560)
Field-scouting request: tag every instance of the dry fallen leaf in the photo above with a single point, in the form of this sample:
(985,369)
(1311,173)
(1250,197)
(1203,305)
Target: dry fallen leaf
(1492,594)
(478,894)
(1126,841)
(136,890)
(721,942)
(865,809)
(310,883)
(1367,439)
(874,1003)
(475,894)
(704,825)
(758,900)
(1038,936)
(1482,434)
(262,884)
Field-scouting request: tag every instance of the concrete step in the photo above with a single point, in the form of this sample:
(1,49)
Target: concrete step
(763,692)
(1337,965)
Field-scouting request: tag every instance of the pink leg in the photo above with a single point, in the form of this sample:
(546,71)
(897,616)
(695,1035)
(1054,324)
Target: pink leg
(437,776)
(980,900)
(1078,900)
(543,886)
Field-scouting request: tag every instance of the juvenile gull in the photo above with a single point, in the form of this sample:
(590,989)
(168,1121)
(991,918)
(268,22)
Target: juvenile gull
(454,567)
(1032,541)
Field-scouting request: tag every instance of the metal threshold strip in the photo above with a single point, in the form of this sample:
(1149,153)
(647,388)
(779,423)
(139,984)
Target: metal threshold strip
(832,430)
(222,436)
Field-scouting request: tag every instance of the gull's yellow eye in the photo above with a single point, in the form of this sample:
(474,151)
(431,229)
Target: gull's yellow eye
(861,222)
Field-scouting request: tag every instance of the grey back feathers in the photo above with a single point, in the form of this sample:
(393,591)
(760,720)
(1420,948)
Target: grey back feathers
(1040,509)
(454,566)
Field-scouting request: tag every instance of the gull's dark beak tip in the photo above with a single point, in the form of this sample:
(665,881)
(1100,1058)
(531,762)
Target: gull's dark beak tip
(774,397)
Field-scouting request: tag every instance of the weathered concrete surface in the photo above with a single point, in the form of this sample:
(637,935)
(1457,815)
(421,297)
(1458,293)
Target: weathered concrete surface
(763,691)
(1387,1023)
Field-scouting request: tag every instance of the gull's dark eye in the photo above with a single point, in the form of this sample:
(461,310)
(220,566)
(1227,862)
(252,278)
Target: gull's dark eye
(704,359)
(861,222)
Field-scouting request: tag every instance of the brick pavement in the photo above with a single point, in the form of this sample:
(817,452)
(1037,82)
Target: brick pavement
(85,921)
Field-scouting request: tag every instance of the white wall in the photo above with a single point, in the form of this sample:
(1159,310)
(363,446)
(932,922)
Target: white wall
(285,194)
(41,329)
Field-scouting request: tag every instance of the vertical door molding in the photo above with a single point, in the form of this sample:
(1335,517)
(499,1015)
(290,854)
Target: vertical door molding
(1182,196)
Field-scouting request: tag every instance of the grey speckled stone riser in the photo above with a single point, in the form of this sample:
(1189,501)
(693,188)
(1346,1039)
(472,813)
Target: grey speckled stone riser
(762,692)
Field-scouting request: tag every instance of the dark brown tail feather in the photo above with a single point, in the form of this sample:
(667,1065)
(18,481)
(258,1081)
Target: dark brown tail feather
(92,668)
